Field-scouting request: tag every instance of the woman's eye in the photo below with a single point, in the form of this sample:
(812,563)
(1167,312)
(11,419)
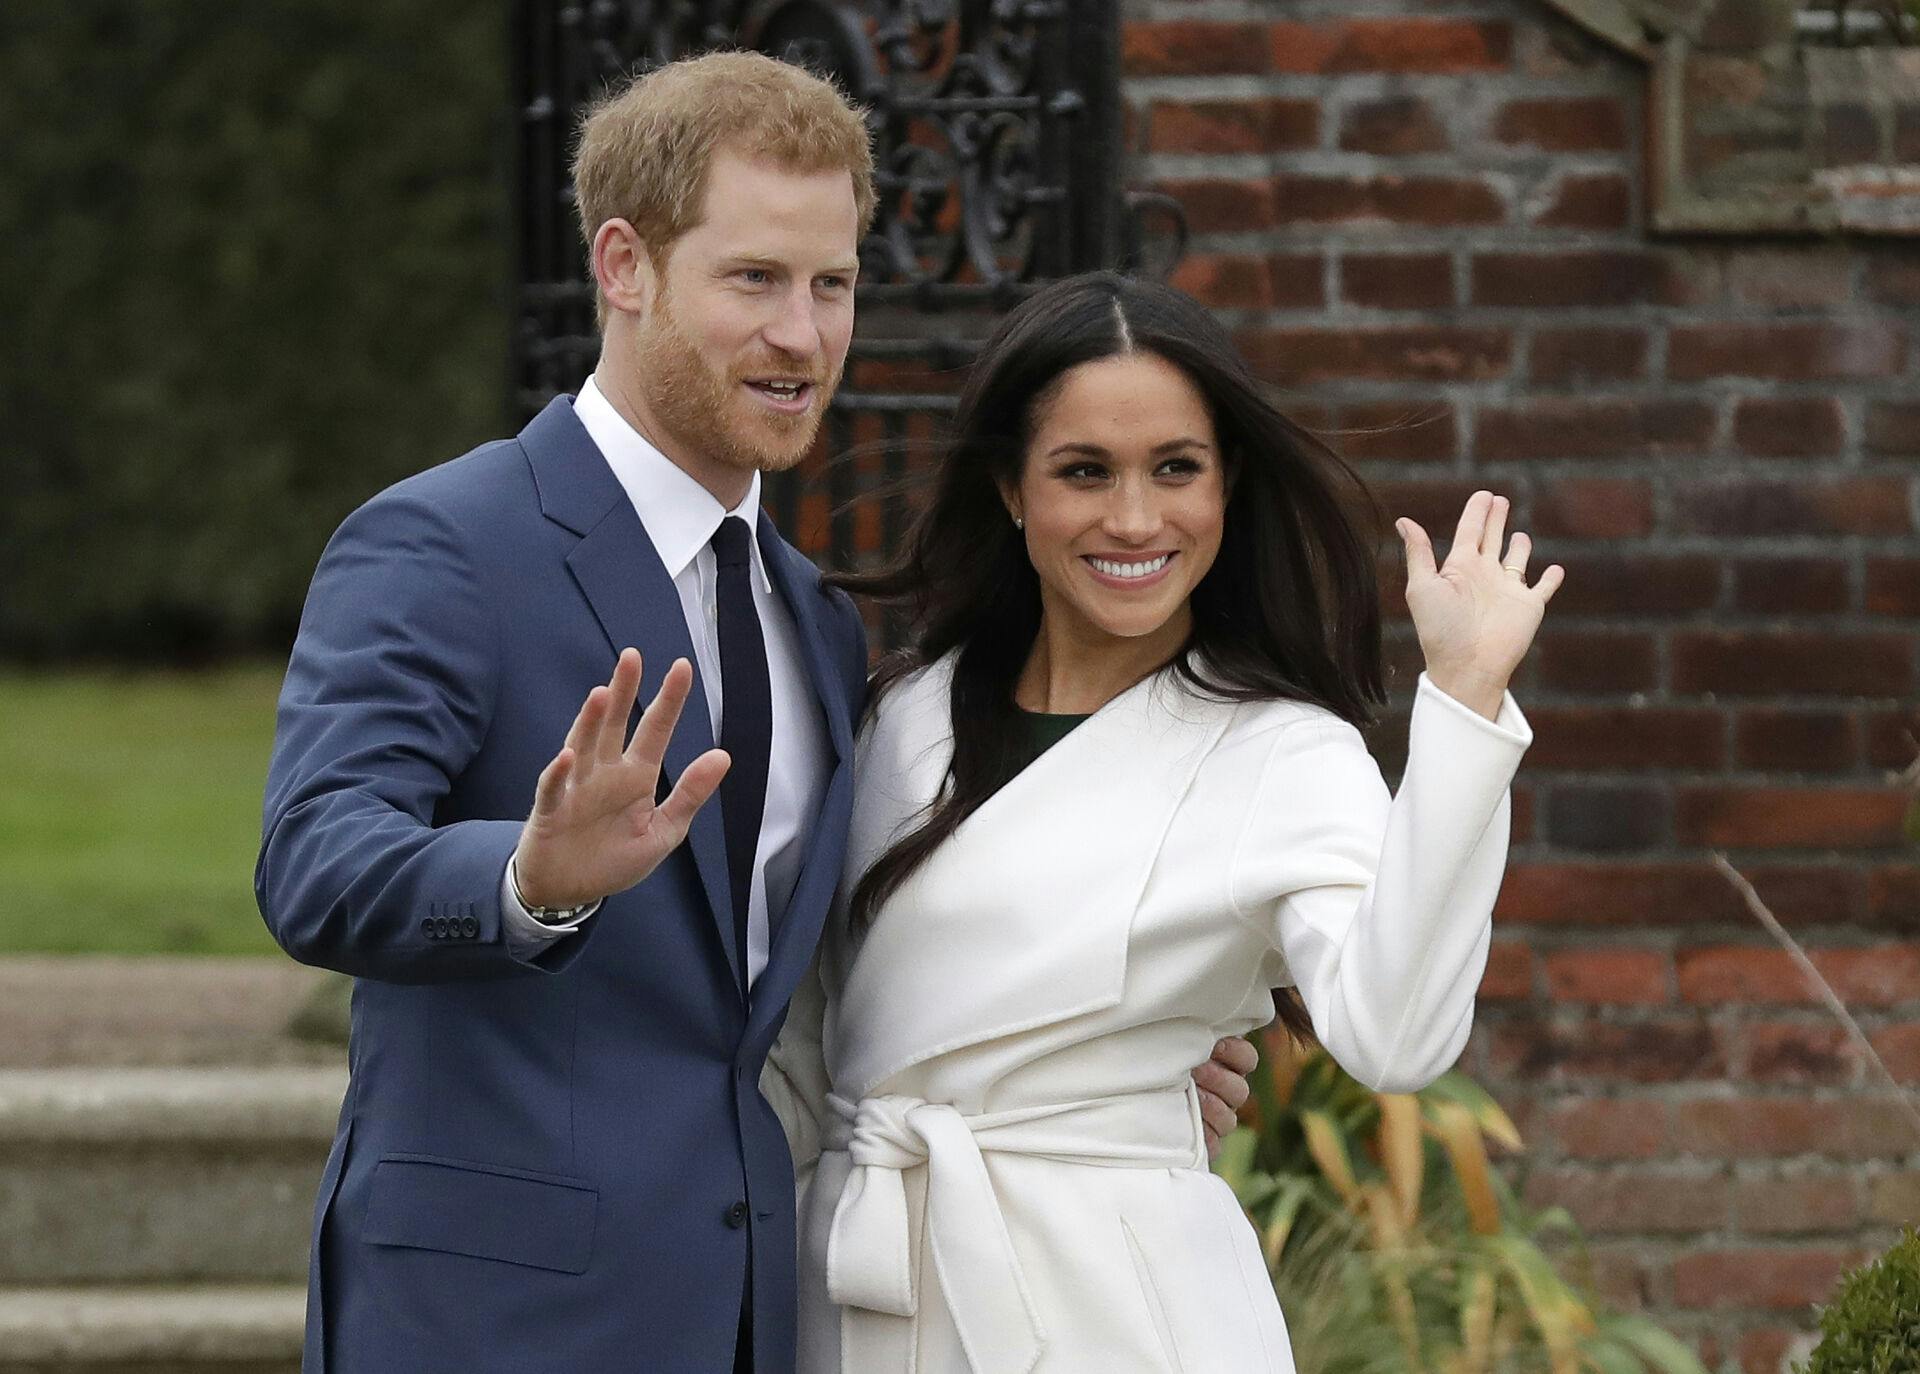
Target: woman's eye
(1083,472)
(1180,467)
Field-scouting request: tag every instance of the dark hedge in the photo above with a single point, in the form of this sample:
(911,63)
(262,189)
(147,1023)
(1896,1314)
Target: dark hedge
(254,266)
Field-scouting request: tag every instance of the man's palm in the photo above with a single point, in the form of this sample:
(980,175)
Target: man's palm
(595,829)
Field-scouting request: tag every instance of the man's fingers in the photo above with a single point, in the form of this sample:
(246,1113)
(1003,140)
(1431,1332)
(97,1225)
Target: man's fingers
(552,784)
(1218,1116)
(622,689)
(651,736)
(1237,1054)
(584,734)
(1224,1083)
(694,789)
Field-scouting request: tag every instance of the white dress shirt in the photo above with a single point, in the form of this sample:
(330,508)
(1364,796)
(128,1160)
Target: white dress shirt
(680,518)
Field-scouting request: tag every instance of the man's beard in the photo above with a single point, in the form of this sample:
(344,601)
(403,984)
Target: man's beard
(707,409)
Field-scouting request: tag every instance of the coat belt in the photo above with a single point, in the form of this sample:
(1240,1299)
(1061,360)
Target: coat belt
(872,1241)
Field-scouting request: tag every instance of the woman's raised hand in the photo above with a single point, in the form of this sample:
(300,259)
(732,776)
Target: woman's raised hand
(1476,613)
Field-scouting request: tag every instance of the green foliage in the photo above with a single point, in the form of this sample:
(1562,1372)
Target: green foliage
(131,810)
(1872,1326)
(256,270)
(1395,1246)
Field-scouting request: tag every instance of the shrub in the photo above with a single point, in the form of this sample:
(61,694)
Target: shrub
(256,270)
(1397,1248)
(1872,1326)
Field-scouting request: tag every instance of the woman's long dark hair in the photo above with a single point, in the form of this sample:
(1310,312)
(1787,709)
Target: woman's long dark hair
(1289,610)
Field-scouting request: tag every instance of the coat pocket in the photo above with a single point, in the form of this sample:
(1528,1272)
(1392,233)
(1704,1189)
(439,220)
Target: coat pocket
(425,1202)
(1150,1294)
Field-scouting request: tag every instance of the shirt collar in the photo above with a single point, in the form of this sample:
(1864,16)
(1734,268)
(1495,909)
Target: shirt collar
(679,515)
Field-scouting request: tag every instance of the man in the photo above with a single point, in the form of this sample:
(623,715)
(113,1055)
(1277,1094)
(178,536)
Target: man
(554,1154)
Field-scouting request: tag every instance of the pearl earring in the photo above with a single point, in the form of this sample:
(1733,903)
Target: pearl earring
(1018,523)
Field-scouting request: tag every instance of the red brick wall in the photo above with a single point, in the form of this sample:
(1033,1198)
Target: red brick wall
(1425,220)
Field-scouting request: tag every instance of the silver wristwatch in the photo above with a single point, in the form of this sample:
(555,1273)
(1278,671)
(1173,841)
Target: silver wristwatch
(545,915)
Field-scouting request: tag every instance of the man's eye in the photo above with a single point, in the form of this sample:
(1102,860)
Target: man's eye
(833,283)
(755,276)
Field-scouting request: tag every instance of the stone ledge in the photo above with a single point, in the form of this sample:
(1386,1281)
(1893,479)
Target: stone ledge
(187,1106)
(1750,130)
(210,1327)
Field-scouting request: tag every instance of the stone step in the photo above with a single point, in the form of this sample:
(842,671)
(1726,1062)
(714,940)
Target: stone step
(248,1329)
(166,1176)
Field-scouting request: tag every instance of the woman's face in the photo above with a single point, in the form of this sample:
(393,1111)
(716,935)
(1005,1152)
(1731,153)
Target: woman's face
(1124,497)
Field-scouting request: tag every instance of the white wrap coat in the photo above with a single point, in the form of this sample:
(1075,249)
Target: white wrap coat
(994,1076)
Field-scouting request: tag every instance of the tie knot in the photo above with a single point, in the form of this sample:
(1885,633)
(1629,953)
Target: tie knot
(730,542)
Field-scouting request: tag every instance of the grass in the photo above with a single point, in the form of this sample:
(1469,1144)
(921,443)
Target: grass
(130,810)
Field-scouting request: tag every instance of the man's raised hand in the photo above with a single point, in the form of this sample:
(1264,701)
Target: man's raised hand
(595,829)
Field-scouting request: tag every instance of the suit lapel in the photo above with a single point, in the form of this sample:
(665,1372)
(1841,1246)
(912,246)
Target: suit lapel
(636,603)
(796,930)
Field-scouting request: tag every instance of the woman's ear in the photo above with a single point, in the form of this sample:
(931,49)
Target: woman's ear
(1010,498)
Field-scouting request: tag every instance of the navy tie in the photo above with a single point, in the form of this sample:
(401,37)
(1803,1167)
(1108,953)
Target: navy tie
(746,718)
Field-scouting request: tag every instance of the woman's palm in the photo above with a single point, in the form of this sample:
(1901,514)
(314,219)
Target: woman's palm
(1475,614)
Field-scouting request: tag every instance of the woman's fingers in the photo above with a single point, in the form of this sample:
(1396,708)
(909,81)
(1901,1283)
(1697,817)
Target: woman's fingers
(1519,548)
(1419,548)
(1549,582)
(1472,529)
(1496,529)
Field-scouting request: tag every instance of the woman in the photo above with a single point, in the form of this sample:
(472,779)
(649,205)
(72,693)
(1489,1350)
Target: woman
(1110,798)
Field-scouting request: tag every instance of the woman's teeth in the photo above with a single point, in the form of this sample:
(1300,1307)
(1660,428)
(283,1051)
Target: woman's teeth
(1145,569)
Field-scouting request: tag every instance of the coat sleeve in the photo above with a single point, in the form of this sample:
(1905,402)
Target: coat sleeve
(1382,907)
(387,699)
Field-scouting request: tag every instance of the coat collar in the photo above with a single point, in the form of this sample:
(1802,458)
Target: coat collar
(1023,917)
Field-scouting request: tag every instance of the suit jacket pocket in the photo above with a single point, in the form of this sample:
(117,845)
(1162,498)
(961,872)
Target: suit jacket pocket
(425,1202)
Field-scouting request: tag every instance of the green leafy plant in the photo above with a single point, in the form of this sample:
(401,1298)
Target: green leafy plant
(1872,1326)
(1397,1248)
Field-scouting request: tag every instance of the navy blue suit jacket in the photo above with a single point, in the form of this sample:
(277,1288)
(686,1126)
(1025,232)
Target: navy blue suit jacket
(547,1165)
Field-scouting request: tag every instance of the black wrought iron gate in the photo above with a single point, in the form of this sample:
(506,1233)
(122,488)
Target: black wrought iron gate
(997,140)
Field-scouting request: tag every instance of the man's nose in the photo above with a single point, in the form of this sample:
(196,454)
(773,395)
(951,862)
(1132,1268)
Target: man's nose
(793,328)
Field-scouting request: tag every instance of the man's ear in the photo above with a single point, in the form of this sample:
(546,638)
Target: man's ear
(623,269)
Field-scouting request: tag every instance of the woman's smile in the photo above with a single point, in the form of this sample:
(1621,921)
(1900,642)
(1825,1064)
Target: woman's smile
(1129,572)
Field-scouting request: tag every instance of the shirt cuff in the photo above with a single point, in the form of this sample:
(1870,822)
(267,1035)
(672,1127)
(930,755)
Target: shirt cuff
(525,935)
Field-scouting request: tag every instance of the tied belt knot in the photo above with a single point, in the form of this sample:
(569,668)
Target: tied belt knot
(871,1242)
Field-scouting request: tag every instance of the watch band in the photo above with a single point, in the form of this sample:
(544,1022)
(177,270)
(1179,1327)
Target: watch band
(545,915)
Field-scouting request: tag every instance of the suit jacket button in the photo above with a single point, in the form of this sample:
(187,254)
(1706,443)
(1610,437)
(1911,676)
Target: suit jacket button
(737,1215)
(426,928)
(469,927)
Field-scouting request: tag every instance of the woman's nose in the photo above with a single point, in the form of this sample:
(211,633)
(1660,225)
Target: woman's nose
(1133,515)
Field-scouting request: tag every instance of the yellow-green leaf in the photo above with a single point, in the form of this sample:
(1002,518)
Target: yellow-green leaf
(1400,1151)
(1329,1151)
